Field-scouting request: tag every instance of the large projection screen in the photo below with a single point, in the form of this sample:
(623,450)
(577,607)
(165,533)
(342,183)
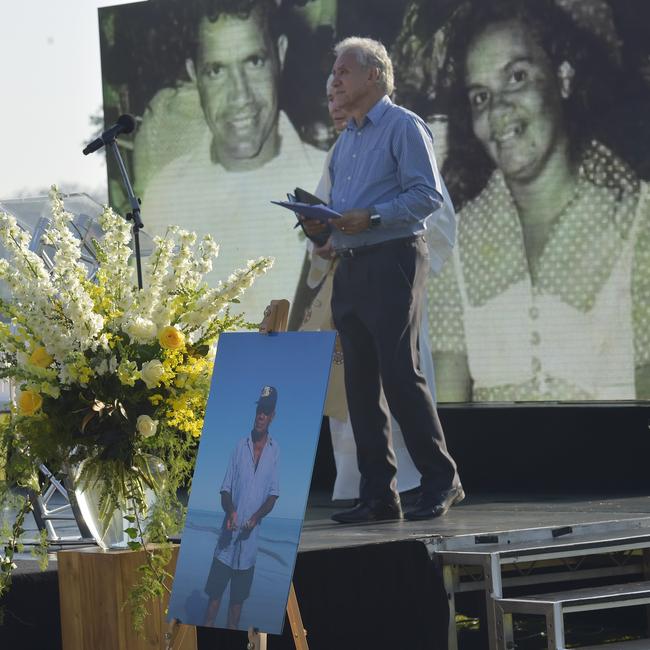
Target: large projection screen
(540,112)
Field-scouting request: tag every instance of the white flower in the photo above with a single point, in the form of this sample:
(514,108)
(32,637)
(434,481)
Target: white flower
(102,367)
(141,330)
(146,426)
(214,300)
(114,251)
(68,278)
(152,372)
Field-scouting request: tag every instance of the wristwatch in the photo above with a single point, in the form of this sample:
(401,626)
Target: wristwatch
(375,218)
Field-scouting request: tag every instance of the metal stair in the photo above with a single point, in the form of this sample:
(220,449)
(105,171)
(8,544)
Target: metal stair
(555,605)
(640,644)
(528,558)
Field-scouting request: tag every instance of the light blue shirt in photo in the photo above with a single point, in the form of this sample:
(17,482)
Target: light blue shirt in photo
(249,487)
(387,165)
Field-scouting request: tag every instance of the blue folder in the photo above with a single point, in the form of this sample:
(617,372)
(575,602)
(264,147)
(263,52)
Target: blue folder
(318,212)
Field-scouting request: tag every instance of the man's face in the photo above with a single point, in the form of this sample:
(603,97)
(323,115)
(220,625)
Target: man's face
(338,115)
(237,74)
(262,420)
(352,83)
(515,99)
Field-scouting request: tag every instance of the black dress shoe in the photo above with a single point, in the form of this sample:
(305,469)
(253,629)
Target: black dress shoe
(435,505)
(367,511)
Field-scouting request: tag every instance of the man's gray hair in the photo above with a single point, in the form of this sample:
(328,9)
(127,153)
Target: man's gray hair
(370,54)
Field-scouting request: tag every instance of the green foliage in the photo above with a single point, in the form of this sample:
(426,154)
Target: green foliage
(40,551)
(153,582)
(10,546)
(153,578)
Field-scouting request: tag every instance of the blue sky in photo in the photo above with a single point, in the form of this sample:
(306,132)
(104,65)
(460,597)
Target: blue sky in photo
(297,364)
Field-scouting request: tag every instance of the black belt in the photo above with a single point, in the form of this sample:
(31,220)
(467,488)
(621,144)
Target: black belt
(362,250)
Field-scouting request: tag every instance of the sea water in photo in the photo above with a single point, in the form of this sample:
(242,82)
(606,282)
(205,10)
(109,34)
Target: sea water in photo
(273,570)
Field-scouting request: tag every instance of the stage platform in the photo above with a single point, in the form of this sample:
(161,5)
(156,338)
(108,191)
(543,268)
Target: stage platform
(477,515)
(362,586)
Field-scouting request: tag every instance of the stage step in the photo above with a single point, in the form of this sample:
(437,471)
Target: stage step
(562,545)
(639,644)
(554,606)
(522,548)
(580,600)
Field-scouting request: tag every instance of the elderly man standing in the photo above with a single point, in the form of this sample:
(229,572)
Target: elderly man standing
(386,184)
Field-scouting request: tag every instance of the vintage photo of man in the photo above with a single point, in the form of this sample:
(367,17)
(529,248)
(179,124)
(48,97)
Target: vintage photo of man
(248,154)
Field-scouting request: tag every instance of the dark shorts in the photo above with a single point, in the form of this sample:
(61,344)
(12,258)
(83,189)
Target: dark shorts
(221,574)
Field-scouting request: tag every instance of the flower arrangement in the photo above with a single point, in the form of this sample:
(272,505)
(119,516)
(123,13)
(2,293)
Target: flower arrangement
(106,373)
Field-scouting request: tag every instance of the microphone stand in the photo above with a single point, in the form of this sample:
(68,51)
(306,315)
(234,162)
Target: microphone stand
(134,202)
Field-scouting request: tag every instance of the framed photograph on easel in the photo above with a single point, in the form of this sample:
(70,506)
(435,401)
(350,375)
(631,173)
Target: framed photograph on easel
(251,481)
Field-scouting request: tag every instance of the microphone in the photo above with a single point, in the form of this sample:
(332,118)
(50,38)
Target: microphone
(125,124)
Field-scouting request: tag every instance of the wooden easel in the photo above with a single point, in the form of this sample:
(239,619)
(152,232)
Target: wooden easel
(276,317)
(257,639)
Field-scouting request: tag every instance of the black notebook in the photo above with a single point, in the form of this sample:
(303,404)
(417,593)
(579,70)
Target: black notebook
(303,196)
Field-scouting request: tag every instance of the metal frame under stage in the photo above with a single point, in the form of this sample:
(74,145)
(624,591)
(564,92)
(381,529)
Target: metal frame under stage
(529,558)
(56,508)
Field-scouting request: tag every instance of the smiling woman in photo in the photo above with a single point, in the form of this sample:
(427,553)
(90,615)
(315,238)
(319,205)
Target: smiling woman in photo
(548,297)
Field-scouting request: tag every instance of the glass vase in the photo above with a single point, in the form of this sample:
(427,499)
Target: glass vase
(106,527)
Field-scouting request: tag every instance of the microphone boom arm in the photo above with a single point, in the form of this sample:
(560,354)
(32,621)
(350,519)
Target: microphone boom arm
(125,124)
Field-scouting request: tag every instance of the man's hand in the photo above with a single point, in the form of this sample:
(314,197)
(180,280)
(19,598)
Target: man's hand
(326,251)
(251,523)
(352,222)
(231,522)
(312,227)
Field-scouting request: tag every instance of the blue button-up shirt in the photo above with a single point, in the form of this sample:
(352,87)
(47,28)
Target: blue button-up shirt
(386,165)
(249,488)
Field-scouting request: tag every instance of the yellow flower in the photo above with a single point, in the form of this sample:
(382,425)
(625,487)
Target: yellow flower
(29,402)
(40,357)
(182,412)
(172,359)
(50,389)
(171,338)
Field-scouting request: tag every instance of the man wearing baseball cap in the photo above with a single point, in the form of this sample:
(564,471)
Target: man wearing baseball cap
(249,491)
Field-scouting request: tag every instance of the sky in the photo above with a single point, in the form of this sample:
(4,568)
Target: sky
(297,365)
(51,86)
